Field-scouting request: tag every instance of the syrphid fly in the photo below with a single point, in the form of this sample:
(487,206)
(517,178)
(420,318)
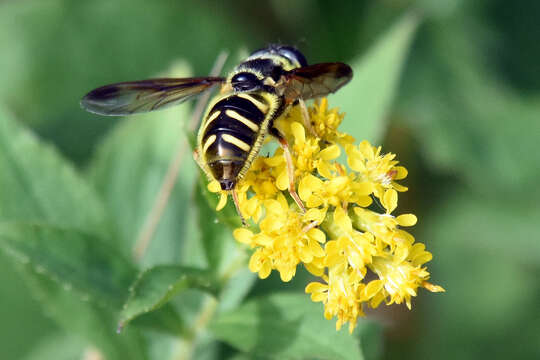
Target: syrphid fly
(256,93)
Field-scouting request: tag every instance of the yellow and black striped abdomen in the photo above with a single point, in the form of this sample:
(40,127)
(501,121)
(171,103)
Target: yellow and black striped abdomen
(232,133)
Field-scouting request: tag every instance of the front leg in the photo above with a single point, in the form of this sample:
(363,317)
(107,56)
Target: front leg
(305,117)
(290,166)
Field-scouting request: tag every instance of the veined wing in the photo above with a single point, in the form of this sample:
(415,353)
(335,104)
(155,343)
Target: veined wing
(146,95)
(316,80)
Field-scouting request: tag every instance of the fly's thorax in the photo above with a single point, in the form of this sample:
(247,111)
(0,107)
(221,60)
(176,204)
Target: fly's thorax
(264,68)
(232,132)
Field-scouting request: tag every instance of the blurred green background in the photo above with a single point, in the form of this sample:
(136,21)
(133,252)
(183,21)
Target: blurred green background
(465,121)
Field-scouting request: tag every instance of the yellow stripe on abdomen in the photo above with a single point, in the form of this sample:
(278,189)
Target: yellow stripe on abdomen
(211,139)
(259,104)
(235,141)
(211,118)
(244,120)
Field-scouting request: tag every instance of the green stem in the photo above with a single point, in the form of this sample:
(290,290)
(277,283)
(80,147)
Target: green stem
(208,310)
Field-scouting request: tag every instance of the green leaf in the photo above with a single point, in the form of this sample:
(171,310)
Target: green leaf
(37,184)
(219,246)
(58,347)
(129,170)
(236,289)
(468,123)
(504,229)
(165,320)
(285,326)
(370,335)
(213,235)
(156,286)
(367,99)
(483,249)
(77,315)
(73,259)
(23,321)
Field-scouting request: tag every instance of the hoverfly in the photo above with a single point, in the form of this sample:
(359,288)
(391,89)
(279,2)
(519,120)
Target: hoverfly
(257,92)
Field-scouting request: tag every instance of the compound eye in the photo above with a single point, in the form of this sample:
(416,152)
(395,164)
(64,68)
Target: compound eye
(293,54)
(245,81)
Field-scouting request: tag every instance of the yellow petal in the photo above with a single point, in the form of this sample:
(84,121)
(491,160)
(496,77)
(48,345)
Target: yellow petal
(372,288)
(401,254)
(330,153)
(363,188)
(282,181)
(406,220)
(243,235)
(283,203)
(325,169)
(399,187)
(342,219)
(356,164)
(316,215)
(364,201)
(287,274)
(274,160)
(314,269)
(313,201)
(265,270)
(367,150)
(222,201)
(213,186)
(430,287)
(262,240)
(389,200)
(317,235)
(401,173)
(315,287)
(298,132)
(273,207)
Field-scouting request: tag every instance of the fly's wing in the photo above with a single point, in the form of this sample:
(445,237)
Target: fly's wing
(316,80)
(146,95)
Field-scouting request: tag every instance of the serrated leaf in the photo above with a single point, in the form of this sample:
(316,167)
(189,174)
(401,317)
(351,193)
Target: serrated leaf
(22,317)
(368,97)
(72,259)
(156,286)
(165,320)
(79,316)
(285,326)
(129,170)
(37,184)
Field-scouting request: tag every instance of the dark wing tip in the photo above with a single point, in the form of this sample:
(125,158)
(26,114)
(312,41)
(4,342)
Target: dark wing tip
(102,101)
(343,74)
(344,70)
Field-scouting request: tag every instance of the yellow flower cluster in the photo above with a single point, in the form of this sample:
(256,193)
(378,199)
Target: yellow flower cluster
(341,238)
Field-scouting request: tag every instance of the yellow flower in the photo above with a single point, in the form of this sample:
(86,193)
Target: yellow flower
(334,192)
(401,274)
(340,296)
(380,170)
(286,239)
(325,123)
(341,238)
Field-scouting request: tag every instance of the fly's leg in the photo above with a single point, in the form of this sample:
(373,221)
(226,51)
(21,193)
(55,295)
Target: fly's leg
(237,206)
(305,117)
(290,167)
